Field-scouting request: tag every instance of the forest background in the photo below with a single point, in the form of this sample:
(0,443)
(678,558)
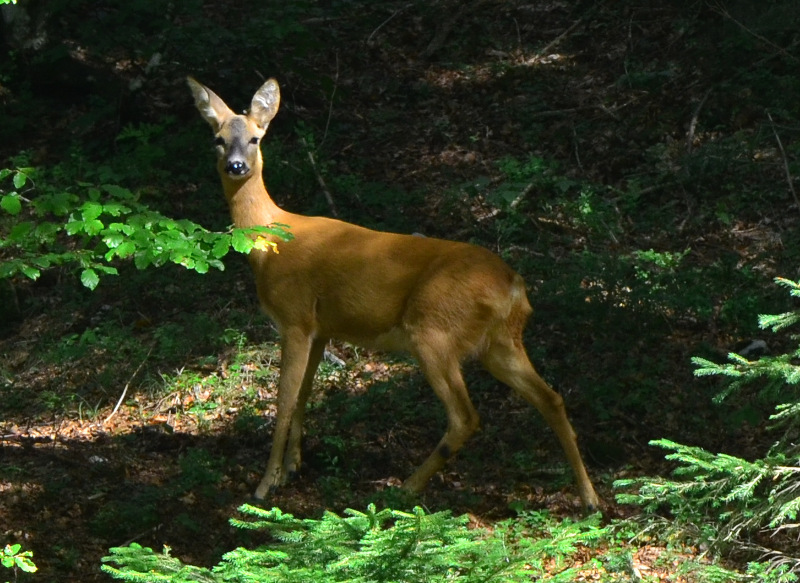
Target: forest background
(636,162)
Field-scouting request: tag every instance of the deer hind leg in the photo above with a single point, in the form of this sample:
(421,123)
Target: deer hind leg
(443,371)
(506,360)
(296,368)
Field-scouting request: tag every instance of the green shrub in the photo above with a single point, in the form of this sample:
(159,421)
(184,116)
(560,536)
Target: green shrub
(725,500)
(14,558)
(374,546)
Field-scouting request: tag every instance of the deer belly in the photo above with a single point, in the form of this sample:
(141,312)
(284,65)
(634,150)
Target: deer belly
(395,340)
(392,340)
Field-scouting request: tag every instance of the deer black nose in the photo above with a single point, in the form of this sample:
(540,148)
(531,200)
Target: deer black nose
(236,167)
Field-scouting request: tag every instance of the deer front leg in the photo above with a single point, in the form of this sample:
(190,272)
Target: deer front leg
(292,459)
(295,357)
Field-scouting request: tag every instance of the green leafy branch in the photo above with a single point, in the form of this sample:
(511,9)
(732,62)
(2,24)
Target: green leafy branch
(724,499)
(103,224)
(374,546)
(776,371)
(13,557)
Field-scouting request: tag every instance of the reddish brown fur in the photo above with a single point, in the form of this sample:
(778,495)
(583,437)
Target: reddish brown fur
(443,301)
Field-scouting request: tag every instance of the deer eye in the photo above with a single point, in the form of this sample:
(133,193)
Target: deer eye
(253,140)
(219,141)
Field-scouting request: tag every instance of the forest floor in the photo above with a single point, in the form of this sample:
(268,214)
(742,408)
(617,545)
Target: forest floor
(95,453)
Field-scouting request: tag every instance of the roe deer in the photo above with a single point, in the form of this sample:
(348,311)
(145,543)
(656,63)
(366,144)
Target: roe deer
(442,301)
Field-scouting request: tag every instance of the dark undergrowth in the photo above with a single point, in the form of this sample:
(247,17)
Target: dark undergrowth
(635,163)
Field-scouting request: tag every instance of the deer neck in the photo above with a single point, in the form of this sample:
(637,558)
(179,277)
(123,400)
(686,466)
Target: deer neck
(249,202)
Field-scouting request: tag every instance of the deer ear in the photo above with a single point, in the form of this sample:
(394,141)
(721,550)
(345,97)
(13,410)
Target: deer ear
(265,103)
(209,104)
